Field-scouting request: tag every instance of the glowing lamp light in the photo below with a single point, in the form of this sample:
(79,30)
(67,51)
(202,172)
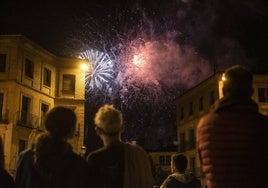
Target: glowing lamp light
(223,78)
(84,67)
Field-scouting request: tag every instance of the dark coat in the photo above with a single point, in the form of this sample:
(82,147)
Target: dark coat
(70,172)
(181,181)
(6,180)
(232,145)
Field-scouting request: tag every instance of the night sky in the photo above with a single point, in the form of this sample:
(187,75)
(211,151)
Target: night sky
(208,35)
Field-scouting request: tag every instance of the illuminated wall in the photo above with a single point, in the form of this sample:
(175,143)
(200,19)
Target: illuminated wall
(32,81)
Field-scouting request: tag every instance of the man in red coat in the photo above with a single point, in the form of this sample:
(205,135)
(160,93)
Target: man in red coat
(231,138)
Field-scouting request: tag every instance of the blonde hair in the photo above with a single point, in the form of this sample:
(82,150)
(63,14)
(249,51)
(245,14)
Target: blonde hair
(109,119)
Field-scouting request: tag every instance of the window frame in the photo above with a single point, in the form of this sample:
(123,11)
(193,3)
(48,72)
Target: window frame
(29,68)
(47,77)
(3,62)
(70,87)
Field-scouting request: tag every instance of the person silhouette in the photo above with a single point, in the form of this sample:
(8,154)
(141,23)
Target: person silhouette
(51,162)
(6,180)
(117,164)
(179,177)
(231,139)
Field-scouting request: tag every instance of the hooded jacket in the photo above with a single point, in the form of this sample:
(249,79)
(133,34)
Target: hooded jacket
(181,180)
(231,144)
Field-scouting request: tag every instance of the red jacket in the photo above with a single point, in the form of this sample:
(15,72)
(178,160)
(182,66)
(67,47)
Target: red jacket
(231,141)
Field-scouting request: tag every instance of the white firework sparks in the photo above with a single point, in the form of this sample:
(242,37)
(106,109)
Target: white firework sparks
(101,70)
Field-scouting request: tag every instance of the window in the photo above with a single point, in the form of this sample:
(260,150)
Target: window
(29,68)
(182,114)
(162,159)
(191,111)
(192,164)
(192,139)
(1,105)
(22,145)
(212,98)
(3,58)
(25,110)
(201,105)
(263,94)
(44,110)
(168,160)
(68,84)
(47,77)
(182,142)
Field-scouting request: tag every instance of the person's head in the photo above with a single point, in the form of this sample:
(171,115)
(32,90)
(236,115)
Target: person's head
(178,163)
(109,120)
(237,82)
(60,122)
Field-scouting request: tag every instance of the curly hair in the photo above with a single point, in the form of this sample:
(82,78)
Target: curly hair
(109,119)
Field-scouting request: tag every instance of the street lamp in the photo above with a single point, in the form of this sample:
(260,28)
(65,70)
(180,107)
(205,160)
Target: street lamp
(84,67)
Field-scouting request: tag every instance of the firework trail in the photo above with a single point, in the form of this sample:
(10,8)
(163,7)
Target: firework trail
(101,73)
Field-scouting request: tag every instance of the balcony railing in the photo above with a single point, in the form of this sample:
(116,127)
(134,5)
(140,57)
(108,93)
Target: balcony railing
(28,120)
(4,117)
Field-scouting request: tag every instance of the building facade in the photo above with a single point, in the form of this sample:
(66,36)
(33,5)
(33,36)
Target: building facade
(32,81)
(196,102)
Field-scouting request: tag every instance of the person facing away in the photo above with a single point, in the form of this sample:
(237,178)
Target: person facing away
(51,162)
(231,138)
(6,180)
(179,178)
(117,164)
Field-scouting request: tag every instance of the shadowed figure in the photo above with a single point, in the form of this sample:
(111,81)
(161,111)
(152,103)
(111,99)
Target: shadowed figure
(231,139)
(117,164)
(6,180)
(179,177)
(51,163)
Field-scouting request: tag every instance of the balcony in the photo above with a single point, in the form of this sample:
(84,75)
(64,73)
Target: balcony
(27,120)
(4,117)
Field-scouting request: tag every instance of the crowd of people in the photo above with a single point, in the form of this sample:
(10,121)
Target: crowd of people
(230,142)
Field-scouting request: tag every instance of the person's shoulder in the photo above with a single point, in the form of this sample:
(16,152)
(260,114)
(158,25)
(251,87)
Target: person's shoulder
(96,154)
(171,182)
(6,179)
(26,152)
(134,146)
(206,119)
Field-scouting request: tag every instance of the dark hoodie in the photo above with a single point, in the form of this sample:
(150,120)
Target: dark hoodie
(181,180)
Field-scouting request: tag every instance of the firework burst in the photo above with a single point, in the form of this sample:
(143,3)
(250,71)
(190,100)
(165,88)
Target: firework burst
(101,72)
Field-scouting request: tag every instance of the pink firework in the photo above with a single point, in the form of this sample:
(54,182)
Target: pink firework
(153,67)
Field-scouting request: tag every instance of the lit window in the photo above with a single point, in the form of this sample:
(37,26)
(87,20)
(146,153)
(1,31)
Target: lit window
(263,94)
(68,84)
(29,68)
(3,58)
(47,77)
